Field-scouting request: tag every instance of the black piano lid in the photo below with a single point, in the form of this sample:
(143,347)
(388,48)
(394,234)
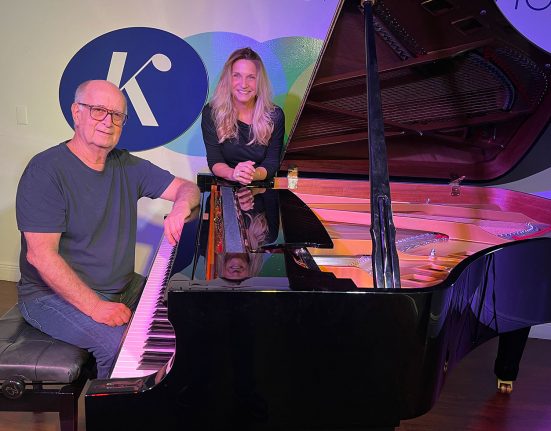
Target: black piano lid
(463,93)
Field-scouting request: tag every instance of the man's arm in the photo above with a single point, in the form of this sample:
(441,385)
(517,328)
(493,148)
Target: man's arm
(185,196)
(43,254)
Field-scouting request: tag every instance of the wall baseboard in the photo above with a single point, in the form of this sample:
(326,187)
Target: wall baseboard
(9,272)
(541,331)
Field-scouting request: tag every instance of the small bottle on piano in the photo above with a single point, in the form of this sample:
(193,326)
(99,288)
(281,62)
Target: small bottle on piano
(292,177)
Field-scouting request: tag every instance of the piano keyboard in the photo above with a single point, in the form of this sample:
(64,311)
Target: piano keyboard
(149,342)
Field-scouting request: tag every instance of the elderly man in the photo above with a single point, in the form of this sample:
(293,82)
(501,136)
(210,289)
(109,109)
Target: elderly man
(77,213)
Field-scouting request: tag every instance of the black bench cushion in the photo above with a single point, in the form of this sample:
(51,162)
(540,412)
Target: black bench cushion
(30,353)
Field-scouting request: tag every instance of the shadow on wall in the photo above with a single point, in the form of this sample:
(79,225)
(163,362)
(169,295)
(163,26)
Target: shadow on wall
(536,160)
(148,238)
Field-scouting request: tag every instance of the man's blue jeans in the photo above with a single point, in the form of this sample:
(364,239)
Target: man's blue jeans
(54,316)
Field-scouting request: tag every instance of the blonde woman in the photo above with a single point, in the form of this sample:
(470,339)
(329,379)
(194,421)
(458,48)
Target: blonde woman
(242,129)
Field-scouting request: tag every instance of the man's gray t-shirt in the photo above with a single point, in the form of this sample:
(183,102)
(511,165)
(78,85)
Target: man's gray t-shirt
(95,212)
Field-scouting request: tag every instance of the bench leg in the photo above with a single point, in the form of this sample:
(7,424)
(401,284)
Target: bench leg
(68,403)
(68,414)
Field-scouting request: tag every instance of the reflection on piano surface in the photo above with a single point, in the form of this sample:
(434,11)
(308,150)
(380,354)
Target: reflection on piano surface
(273,320)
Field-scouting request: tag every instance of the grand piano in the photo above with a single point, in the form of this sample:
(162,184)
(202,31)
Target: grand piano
(270,314)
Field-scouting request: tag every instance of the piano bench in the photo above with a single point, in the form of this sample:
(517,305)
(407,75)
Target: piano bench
(39,373)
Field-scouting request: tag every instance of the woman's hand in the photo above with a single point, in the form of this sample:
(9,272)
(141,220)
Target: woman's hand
(243,172)
(245,199)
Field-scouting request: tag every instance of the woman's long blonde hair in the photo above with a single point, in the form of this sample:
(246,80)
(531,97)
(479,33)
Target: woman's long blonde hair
(225,114)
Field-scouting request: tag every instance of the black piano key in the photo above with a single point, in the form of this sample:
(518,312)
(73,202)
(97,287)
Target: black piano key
(153,366)
(157,330)
(161,313)
(157,359)
(160,325)
(160,342)
(161,332)
(160,337)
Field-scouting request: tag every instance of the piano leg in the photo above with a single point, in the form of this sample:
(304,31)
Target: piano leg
(509,353)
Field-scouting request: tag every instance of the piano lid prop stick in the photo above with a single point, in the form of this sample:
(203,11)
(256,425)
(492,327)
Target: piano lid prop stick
(386,269)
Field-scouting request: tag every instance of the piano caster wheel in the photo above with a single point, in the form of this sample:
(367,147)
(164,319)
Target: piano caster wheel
(504,386)
(13,388)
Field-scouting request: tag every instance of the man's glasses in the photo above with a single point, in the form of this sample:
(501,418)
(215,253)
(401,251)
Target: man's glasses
(99,113)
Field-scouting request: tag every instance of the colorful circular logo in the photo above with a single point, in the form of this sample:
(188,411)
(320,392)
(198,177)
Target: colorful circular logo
(163,78)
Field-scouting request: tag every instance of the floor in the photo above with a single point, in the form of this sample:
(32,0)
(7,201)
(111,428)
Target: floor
(469,401)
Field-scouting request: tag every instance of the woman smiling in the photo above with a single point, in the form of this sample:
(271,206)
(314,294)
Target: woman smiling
(242,128)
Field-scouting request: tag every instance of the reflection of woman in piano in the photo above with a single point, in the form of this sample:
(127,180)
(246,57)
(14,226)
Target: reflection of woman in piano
(242,128)
(239,266)
(260,214)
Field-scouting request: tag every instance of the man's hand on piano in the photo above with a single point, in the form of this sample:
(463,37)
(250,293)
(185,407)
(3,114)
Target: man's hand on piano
(185,196)
(174,222)
(111,313)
